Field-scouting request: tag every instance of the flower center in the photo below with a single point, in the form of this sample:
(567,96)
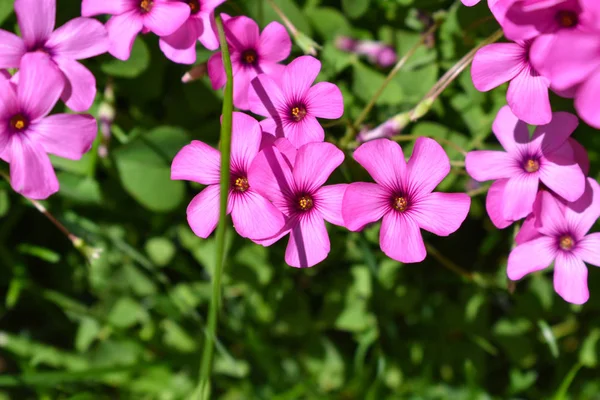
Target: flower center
(566,242)
(298,113)
(146,5)
(194,6)
(19,122)
(241,184)
(399,203)
(567,19)
(305,203)
(532,165)
(249,57)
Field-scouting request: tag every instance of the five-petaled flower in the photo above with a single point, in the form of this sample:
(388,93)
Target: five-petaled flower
(402,196)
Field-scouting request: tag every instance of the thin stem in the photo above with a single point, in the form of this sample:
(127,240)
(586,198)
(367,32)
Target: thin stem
(392,74)
(478,191)
(203,389)
(561,393)
(284,18)
(452,266)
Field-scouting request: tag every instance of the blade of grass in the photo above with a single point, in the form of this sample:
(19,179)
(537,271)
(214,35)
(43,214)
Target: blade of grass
(203,389)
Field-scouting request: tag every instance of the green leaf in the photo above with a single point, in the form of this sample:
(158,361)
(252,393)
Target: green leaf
(329,22)
(176,337)
(87,332)
(137,63)
(355,8)
(6,9)
(366,81)
(160,250)
(4,203)
(126,312)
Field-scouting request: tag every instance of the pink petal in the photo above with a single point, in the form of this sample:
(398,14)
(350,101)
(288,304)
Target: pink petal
(586,100)
(203,211)
(80,85)
(384,161)
(581,156)
(528,231)
(265,97)
(65,135)
(36,19)
(90,8)
(560,172)
(364,203)
(588,249)
(299,75)
(511,132)
(314,164)
(40,85)
(486,165)
(254,216)
(324,100)
(427,167)
(274,43)
(309,242)
(328,201)
(306,131)
(528,97)
(180,46)
(9,105)
(441,213)
(166,17)
(496,64)
(245,141)
(287,149)
(197,162)
(271,176)
(583,213)
(556,132)
(522,23)
(494,204)
(271,127)
(551,220)
(31,173)
(12,48)
(570,278)
(122,30)
(470,3)
(78,39)
(216,71)
(242,33)
(208,35)
(519,195)
(531,256)
(401,238)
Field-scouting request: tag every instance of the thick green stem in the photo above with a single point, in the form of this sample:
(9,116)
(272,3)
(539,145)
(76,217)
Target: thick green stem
(203,389)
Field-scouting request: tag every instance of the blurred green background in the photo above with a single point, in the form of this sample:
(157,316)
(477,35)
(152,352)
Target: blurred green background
(130,324)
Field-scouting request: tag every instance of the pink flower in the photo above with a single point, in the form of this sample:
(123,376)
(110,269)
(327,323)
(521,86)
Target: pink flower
(294,183)
(470,3)
(547,157)
(180,46)
(527,94)
(77,39)
(253,216)
(252,53)
(293,106)
(564,240)
(402,196)
(130,17)
(27,134)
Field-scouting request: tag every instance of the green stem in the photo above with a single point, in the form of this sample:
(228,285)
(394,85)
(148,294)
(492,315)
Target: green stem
(203,389)
(564,386)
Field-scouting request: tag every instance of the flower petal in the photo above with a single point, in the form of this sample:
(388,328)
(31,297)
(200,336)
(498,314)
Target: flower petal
(265,97)
(242,33)
(588,249)
(65,135)
(550,216)
(531,256)
(309,242)
(328,201)
(166,17)
(12,48)
(203,211)
(427,167)
(40,85)
(557,131)
(486,165)
(216,71)
(586,100)
(528,231)
(254,216)
(570,278)
(441,213)
(364,203)
(9,105)
(78,39)
(122,30)
(583,213)
(197,162)
(246,136)
(560,172)
(581,156)
(315,162)
(306,131)
(90,8)
(36,20)
(494,204)
(271,176)
(180,46)
(324,100)
(401,238)
(208,35)
(528,97)
(384,161)
(242,79)
(519,195)
(274,43)
(31,173)
(511,132)
(299,75)
(80,86)
(496,64)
